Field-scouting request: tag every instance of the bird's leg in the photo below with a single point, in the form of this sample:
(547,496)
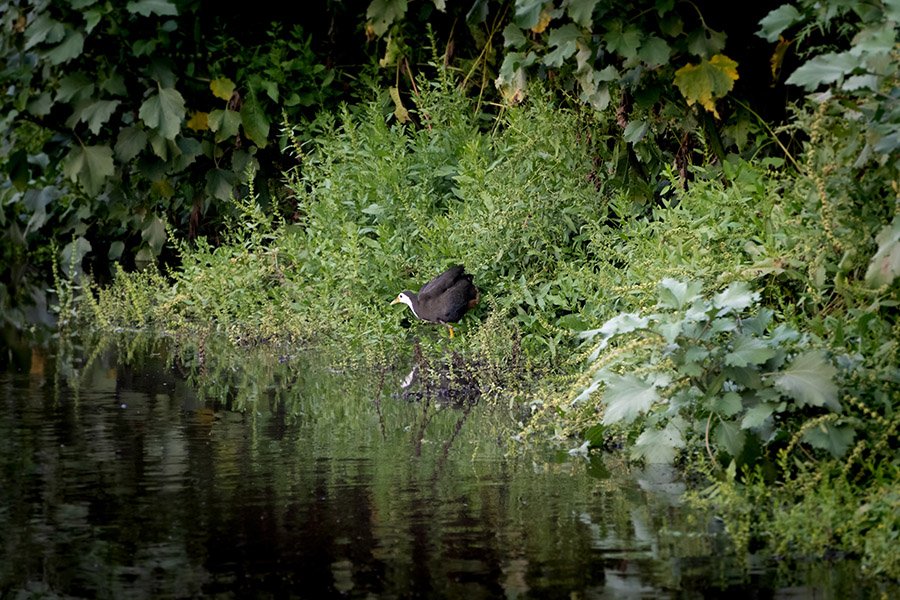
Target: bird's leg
(450,328)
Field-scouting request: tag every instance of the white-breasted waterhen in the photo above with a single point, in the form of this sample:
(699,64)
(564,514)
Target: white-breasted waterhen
(444,299)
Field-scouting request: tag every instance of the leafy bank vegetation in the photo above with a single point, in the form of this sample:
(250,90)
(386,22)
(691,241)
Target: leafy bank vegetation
(726,327)
(726,303)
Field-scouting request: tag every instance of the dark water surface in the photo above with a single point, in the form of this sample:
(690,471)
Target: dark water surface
(120,479)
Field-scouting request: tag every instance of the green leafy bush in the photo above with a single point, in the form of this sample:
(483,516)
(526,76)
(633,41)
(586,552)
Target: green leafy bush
(710,373)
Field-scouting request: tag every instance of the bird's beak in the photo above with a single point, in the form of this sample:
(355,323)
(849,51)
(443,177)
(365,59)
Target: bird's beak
(395,300)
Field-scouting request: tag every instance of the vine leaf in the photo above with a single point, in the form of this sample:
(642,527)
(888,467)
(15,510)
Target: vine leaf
(885,265)
(735,298)
(75,85)
(823,69)
(41,29)
(528,13)
(756,416)
(678,294)
(253,118)
(381,14)
(146,8)
(90,166)
(627,397)
(731,437)
(70,47)
(94,112)
(774,23)
(130,142)
(154,233)
(222,88)
(810,381)
(563,40)
(582,11)
(625,41)
(749,351)
(513,36)
(164,111)
(657,446)
(73,253)
(826,436)
(705,83)
(225,123)
(655,52)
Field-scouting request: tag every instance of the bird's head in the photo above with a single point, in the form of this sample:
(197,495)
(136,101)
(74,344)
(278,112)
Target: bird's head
(404,298)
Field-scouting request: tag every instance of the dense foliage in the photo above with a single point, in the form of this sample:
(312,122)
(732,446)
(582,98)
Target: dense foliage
(118,120)
(720,297)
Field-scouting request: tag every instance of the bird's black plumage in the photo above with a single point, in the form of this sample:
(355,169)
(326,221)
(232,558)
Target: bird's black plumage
(444,299)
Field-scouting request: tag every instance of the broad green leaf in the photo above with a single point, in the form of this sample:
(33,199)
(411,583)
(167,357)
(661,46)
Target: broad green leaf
(154,233)
(582,12)
(678,294)
(655,52)
(623,323)
(190,150)
(879,39)
(130,142)
(220,183)
(824,69)
(735,298)
(664,6)
(68,49)
(774,23)
(731,437)
(72,255)
(624,42)
(164,111)
(41,105)
(528,13)
(159,145)
(563,40)
(748,351)
(626,397)
(635,131)
(91,19)
(95,113)
(704,42)
(225,123)
(36,202)
(222,88)
(90,166)
(381,14)
(656,446)
(256,125)
(809,380)
(43,28)
(705,83)
(859,82)
(513,37)
(759,323)
(478,13)
(115,250)
(608,73)
(727,404)
(153,7)
(114,84)
(885,264)
(832,438)
(756,416)
(76,85)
